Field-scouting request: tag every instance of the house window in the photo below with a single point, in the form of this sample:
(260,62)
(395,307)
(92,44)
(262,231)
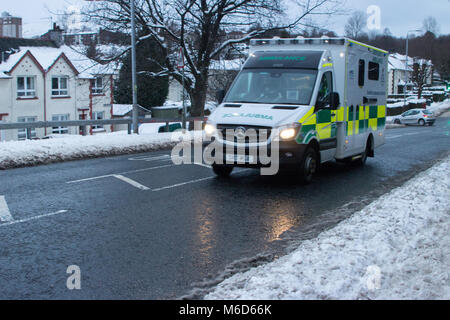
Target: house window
(374,71)
(60,86)
(22,133)
(60,130)
(97,87)
(98,115)
(26,87)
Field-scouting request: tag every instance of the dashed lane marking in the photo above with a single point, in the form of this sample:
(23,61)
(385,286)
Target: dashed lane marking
(402,135)
(151,158)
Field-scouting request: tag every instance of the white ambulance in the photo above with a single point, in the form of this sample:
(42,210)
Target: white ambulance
(321,99)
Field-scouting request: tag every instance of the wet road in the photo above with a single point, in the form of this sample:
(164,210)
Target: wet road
(141,228)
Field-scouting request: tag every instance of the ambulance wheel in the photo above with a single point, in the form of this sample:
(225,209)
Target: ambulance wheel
(362,161)
(309,165)
(222,171)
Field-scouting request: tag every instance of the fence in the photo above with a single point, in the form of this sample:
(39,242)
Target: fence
(83,124)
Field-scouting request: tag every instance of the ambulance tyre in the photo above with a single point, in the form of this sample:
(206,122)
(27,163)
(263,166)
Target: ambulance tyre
(222,171)
(309,165)
(362,161)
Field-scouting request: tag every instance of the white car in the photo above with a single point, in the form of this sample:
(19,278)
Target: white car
(420,117)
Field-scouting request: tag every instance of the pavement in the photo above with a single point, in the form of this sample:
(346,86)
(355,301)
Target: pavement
(139,227)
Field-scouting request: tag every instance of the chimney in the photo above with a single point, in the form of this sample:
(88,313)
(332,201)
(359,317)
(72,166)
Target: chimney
(56,35)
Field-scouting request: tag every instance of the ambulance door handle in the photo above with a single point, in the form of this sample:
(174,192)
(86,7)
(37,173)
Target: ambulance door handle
(365,101)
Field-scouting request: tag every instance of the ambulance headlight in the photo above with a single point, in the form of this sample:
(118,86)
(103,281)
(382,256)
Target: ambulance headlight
(289,132)
(210,129)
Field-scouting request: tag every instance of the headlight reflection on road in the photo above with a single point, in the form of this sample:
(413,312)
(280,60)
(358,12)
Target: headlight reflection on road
(282,216)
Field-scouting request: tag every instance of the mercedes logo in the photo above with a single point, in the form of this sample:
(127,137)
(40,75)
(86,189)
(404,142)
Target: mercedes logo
(239,133)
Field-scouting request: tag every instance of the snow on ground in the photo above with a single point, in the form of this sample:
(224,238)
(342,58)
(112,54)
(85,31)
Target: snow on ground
(439,108)
(398,247)
(71,147)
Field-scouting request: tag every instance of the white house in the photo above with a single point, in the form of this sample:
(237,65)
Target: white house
(46,83)
(399,75)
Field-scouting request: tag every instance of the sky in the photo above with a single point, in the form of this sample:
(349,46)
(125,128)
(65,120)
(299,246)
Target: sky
(397,15)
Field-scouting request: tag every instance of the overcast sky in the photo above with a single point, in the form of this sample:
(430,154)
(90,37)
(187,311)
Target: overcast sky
(397,15)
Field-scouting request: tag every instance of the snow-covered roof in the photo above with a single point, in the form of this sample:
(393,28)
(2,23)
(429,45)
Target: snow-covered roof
(397,62)
(46,57)
(121,109)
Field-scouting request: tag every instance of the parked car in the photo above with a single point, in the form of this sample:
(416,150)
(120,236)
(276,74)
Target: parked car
(420,117)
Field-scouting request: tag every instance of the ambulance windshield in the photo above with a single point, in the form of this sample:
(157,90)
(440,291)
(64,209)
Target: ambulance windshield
(273,86)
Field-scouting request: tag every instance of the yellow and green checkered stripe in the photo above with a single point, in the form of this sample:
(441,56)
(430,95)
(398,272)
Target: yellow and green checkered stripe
(367,118)
(321,124)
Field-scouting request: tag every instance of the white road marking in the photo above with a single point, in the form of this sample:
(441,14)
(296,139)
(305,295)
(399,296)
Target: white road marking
(32,218)
(152,158)
(402,135)
(131,182)
(203,165)
(183,184)
(5,215)
(122,173)
(194,181)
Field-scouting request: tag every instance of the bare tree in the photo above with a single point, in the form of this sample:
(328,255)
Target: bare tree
(422,71)
(430,25)
(200,28)
(355,25)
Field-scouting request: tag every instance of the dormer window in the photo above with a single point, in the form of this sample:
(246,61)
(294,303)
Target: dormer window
(60,86)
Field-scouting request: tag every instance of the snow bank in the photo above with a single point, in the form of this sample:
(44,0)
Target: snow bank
(439,108)
(28,153)
(398,247)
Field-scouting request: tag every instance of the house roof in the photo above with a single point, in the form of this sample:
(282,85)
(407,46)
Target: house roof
(46,58)
(397,62)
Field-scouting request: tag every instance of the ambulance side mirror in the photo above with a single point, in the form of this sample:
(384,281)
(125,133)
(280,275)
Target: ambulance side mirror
(335,101)
(220,95)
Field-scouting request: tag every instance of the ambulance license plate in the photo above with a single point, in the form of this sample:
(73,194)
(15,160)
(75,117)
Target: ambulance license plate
(237,158)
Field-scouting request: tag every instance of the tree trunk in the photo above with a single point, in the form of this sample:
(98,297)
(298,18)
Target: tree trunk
(198,99)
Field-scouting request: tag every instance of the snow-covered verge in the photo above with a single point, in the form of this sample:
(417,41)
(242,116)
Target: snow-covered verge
(439,108)
(29,153)
(398,247)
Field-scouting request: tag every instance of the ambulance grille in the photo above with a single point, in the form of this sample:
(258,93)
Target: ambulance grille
(253,133)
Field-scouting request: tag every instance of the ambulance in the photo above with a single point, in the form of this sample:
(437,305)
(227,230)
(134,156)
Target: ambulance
(321,99)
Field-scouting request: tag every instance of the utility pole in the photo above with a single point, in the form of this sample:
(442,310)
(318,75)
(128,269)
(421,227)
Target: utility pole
(133,68)
(406,65)
(181,66)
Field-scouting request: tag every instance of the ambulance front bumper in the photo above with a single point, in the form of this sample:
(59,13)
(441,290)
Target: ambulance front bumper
(286,153)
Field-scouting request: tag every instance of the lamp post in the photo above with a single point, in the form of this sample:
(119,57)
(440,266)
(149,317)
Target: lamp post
(133,68)
(406,64)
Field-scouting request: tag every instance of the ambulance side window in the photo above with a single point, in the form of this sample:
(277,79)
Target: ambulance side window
(361,72)
(325,90)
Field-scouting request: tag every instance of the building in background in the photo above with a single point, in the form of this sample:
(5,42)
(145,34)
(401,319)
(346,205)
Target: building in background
(45,83)
(10,27)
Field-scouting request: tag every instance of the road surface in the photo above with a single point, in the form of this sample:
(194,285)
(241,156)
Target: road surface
(140,227)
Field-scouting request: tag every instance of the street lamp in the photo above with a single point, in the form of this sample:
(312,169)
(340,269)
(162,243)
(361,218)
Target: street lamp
(406,64)
(133,68)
